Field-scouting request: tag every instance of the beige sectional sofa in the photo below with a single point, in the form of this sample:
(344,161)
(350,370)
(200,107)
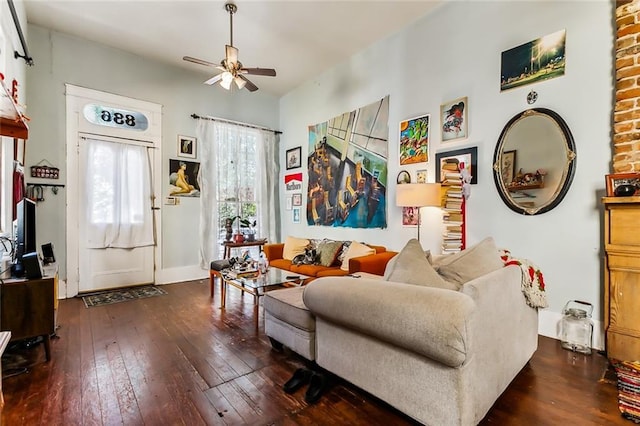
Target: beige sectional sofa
(441,351)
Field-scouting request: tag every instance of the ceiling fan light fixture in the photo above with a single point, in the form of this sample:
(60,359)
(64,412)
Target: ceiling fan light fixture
(239,82)
(227,78)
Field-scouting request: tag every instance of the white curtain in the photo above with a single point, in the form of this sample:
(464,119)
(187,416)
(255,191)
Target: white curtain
(118,195)
(229,154)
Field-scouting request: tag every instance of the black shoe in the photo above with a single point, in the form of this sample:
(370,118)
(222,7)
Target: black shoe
(317,386)
(300,378)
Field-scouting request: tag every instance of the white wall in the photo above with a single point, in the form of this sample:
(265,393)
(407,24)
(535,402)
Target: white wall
(61,59)
(455,52)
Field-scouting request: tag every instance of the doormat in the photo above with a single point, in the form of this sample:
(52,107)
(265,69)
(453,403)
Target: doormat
(121,295)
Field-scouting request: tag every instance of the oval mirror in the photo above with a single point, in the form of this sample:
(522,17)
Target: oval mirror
(534,161)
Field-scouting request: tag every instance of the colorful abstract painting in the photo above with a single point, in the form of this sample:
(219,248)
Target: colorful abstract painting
(414,140)
(347,168)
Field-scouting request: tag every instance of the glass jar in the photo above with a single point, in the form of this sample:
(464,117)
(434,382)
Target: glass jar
(577,327)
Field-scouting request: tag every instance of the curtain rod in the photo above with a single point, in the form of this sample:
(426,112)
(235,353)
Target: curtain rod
(196,116)
(27,58)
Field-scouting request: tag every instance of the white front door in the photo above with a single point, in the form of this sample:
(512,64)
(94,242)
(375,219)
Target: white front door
(105,213)
(109,118)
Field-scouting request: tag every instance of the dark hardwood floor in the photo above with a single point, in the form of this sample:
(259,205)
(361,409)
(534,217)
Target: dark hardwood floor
(177,359)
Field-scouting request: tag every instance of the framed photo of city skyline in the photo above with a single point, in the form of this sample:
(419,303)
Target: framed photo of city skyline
(537,60)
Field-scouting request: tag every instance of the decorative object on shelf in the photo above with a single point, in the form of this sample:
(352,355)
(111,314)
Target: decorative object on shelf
(186,146)
(45,170)
(403,177)
(577,327)
(468,156)
(414,140)
(453,116)
(628,180)
(294,158)
(417,195)
(535,134)
(548,61)
(532,97)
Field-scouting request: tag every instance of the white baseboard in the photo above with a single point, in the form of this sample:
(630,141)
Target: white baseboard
(549,326)
(185,273)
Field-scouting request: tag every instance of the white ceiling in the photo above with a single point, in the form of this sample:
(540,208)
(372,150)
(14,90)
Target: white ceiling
(300,39)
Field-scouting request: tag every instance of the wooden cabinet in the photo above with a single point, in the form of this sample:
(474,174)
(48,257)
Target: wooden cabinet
(622,277)
(27,309)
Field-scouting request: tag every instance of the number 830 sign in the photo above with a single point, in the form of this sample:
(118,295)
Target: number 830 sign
(114,117)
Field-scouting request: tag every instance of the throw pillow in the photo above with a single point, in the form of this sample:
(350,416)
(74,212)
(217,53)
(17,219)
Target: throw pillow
(412,267)
(294,246)
(470,263)
(328,252)
(355,249)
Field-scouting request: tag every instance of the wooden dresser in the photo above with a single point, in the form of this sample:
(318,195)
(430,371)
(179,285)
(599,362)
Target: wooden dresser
(622,277)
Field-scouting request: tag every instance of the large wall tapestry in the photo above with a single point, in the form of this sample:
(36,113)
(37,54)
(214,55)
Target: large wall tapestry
(347,167)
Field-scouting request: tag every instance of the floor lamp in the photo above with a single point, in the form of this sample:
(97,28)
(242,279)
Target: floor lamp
(418,195)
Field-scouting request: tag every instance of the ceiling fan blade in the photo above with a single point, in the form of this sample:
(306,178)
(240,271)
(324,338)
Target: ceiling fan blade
(214,79)
(231,54)
(198,61)
(269,72)
(249,85)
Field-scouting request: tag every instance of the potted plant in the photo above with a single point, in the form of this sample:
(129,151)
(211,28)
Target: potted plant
(251,232)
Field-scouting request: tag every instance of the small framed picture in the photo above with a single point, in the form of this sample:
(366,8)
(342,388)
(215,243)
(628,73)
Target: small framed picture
(297,200)
(186,146)
(616,179)
(289,203)
(403,177)
(454,161)
(421,176)
(454,120)
(294,159)
(296,215)
(508,166)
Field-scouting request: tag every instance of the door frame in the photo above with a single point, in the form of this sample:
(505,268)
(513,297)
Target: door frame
(76,98)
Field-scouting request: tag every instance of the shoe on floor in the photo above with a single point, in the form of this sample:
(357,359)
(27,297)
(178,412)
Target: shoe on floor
(300,378)
(317,386)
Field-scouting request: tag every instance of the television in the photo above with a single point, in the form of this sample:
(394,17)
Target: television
(25,232)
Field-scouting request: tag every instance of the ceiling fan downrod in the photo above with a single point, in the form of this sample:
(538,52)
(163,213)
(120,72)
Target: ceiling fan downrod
(231,8)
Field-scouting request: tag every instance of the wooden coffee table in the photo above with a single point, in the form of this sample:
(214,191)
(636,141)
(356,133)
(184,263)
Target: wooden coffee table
(274,278)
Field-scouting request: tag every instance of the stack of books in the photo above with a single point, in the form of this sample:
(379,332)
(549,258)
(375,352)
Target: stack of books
(247,273)
(453,206)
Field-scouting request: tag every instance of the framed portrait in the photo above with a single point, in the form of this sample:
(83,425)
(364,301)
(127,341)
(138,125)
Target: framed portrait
(183,178)
(508,166)
(421,176)
(414,140)
(614,180)
(410,216)
(453,120)
(456,160)
(296,200)
(517,69)
(186,146)
(294,158)
(403,177)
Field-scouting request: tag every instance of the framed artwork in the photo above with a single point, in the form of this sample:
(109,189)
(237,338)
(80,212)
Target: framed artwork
(289,203)
(403,177)
(614,180)
(508,166)
(414,140)
(453,116)
(297,200)
(450,161)
(183,178)
(296,215)
(537,60)
(421,176)
(186,146)
(294,158)
(410,216)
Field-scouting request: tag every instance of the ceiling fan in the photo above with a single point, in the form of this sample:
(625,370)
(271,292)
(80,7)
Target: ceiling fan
(232,69)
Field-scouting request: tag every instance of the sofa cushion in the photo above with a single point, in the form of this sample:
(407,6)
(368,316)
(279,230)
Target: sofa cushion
(470,263)
(328,251)
(294,246)
(355,249)
(281,264)
(332,272)
(286,304)
(411,266)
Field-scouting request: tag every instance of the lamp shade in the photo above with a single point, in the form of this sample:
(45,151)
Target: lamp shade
(418,195)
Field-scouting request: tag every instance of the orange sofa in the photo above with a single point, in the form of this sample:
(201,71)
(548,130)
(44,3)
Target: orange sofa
(373,264)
